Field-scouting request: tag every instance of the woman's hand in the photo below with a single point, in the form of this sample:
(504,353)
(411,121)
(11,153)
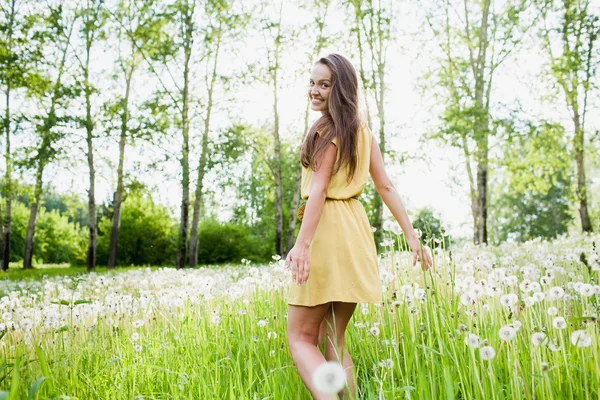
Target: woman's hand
(422,255)
(298,258)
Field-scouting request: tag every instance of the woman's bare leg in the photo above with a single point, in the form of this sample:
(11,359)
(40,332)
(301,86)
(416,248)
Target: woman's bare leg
(333,329)
(302,336)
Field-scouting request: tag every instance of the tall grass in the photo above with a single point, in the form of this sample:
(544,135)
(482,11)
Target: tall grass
(201,334)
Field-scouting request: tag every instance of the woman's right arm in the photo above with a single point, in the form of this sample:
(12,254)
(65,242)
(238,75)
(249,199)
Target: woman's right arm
(390,196)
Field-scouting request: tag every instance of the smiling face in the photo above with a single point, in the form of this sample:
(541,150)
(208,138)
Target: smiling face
(319,87)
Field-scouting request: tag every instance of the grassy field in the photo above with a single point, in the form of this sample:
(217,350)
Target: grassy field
(509,322)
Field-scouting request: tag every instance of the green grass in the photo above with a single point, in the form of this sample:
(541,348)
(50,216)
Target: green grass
(418,353)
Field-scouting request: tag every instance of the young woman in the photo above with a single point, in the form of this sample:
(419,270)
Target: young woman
(334,260)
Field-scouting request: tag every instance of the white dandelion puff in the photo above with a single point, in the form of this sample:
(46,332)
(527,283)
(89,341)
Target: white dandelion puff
(509,300)
(556,293)
(487,353)
(329,377)
(580,338)
(552,311)
(559,323)
(539,339)
(507,333)
(473,340)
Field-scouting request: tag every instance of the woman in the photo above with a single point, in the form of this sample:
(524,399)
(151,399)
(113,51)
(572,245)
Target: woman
(334,260)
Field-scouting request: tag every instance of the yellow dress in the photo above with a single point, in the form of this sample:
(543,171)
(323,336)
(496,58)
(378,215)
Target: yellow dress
(342,254)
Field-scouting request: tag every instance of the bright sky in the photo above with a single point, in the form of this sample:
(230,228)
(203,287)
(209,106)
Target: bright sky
(438,182)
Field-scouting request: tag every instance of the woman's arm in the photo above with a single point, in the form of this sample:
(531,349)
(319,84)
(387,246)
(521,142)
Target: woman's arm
(298,256)
(390,196)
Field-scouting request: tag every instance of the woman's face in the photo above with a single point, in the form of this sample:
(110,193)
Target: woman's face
(319,87)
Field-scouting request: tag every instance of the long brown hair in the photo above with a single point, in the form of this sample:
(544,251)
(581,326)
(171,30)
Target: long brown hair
(342,120)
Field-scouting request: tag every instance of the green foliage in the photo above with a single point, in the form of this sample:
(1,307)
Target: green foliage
(223,243)
(148,233)
(533,186)
(57,239)
(431,229)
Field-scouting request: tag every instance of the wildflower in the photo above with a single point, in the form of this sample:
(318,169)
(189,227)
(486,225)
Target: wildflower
(364,310)
(138,323)
(586,290)
(580,338)
(510,280)
(374,331)
(544,366)
(272,335)
(329,377)
(539,339)
(507,333)
(528,301)
(420,294)
(26,324)
(262,323)
(554,346)
(559,323)
(467,299)
(487,353)
(517,324)
(509,300)
(216,319)
(137,347)
(473,341)
(538,296)
(387,363)
(552,311)
(556,292)
(135,336)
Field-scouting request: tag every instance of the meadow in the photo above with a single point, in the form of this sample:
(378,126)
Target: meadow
(518,321)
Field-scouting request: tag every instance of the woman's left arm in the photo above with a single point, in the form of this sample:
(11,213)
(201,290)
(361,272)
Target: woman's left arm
(298,256)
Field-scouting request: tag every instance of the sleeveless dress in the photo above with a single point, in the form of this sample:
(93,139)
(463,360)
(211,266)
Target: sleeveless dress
(343,256)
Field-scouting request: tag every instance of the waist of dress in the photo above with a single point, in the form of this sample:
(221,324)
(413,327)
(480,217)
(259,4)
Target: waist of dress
(332,199)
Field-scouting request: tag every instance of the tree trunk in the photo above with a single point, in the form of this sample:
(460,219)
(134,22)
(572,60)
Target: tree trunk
(203,161)
(578,147)
(6,236)
(118,196)
(377,201)
(480,226)
(277,173)
(185,163)
(89,126)
(7,188)
(482,129)
(33,210)
(44,156)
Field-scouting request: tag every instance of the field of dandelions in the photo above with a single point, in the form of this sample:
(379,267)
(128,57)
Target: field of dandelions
(508,322)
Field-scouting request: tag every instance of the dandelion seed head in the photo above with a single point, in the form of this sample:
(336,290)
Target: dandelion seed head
(329,377)
(507,333)
(580,338)
(539,339)
(559,323)
(487,353)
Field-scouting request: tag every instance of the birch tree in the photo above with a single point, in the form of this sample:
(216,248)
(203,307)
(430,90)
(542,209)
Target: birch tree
(474,39)
(575,28)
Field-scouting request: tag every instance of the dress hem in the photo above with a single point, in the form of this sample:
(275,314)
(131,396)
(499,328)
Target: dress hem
(292,303)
